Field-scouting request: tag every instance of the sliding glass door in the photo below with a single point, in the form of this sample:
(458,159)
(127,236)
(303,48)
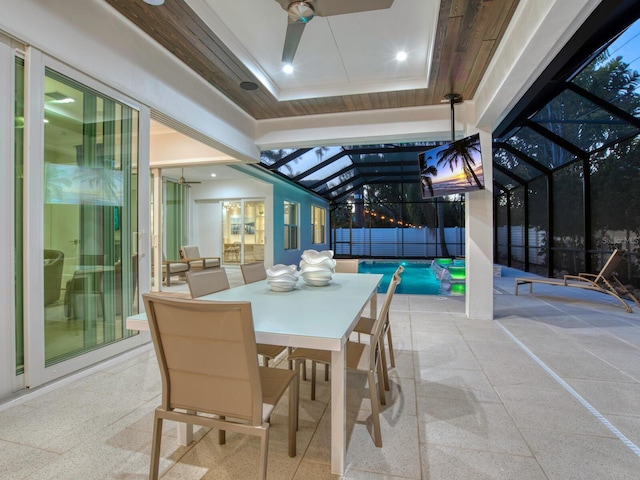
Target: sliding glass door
(243,231)
(90,261)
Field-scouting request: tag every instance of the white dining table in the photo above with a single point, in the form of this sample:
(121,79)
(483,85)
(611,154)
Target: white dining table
(311,317)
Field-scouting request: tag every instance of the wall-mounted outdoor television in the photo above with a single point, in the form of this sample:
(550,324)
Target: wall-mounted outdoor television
(452,168)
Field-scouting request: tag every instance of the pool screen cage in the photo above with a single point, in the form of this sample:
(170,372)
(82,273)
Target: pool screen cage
(566,164)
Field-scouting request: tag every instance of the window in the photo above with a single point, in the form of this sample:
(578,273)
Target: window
(318,216)
(290,225)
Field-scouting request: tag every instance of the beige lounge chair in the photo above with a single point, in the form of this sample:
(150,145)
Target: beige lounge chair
(220,377)
(170,268)
(604,282)
(191,254)
(361,358)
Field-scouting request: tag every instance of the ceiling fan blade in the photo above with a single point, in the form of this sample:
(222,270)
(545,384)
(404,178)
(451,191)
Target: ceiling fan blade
(326,8)
(291,40)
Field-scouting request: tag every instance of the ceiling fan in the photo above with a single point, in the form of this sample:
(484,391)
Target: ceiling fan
(182,181)
(301,13)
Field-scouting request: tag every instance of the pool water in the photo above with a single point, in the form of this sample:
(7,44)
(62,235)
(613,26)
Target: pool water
(418,278)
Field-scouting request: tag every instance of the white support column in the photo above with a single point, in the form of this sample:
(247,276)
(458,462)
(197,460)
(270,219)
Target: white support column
(479,241)
(156,241)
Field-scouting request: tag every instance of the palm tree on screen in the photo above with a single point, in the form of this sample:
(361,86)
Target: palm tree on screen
(425,178)
(462,150)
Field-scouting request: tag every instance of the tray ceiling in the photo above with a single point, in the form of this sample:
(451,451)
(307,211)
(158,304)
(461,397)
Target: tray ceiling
(344,63)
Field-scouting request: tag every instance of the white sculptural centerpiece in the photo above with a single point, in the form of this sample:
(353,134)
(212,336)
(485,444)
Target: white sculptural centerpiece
(282,278)
(316,268)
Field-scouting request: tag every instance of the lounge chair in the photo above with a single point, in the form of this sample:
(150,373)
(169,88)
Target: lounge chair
(604,282)
(191,255)
(171,268)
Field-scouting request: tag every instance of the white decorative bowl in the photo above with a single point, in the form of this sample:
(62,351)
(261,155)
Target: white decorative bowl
(314,256)
(282,278)
(326,274)
(316,268)
(282,286)
(326,264)
(317,282)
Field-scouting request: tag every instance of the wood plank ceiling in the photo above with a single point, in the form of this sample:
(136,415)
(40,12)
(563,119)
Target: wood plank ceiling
(469,32)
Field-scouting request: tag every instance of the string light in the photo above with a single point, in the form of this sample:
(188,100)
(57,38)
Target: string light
(391,220)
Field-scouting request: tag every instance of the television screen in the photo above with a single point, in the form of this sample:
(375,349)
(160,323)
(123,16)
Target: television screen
(452,168)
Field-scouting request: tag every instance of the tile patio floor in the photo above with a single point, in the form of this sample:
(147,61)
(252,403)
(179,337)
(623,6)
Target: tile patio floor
(549,389)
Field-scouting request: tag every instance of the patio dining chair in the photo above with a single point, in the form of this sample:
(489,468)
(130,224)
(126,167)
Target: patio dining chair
(214,280)
(253,272)
(346,265)
(219,384)
(361,358)
(207,281)
(366,326)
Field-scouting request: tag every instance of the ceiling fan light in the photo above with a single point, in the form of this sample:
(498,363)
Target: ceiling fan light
(300,12)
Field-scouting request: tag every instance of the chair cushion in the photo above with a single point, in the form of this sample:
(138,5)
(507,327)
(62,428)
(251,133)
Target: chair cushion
(191,251)
(177,267)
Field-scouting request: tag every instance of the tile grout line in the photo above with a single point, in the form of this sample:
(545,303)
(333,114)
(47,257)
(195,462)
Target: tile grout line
(632,446)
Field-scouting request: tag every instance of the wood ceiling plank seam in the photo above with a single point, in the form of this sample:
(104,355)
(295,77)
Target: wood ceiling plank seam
(469,25)
(488,33)
(478,68)
(387,100)
(439,45)
(456,8)
(444,81)
(351,102)
(425,97)
(473,24)
(502,13)
(261,104)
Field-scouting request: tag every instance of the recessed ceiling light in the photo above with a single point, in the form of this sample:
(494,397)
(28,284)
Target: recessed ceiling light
(213,174)
(287,68)
(249,86)
(401,56)
(155,3)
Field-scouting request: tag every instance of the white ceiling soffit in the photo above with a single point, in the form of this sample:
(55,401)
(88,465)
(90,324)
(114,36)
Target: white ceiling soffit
(337,55)
(169,147)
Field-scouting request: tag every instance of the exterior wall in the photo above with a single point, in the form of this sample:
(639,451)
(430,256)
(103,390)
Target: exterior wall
(210,244)
(285,191)
(275,192)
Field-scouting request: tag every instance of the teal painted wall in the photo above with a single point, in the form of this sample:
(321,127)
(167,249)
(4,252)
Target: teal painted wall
(284,191)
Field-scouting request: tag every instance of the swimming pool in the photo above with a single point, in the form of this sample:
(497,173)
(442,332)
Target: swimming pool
(418,277)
